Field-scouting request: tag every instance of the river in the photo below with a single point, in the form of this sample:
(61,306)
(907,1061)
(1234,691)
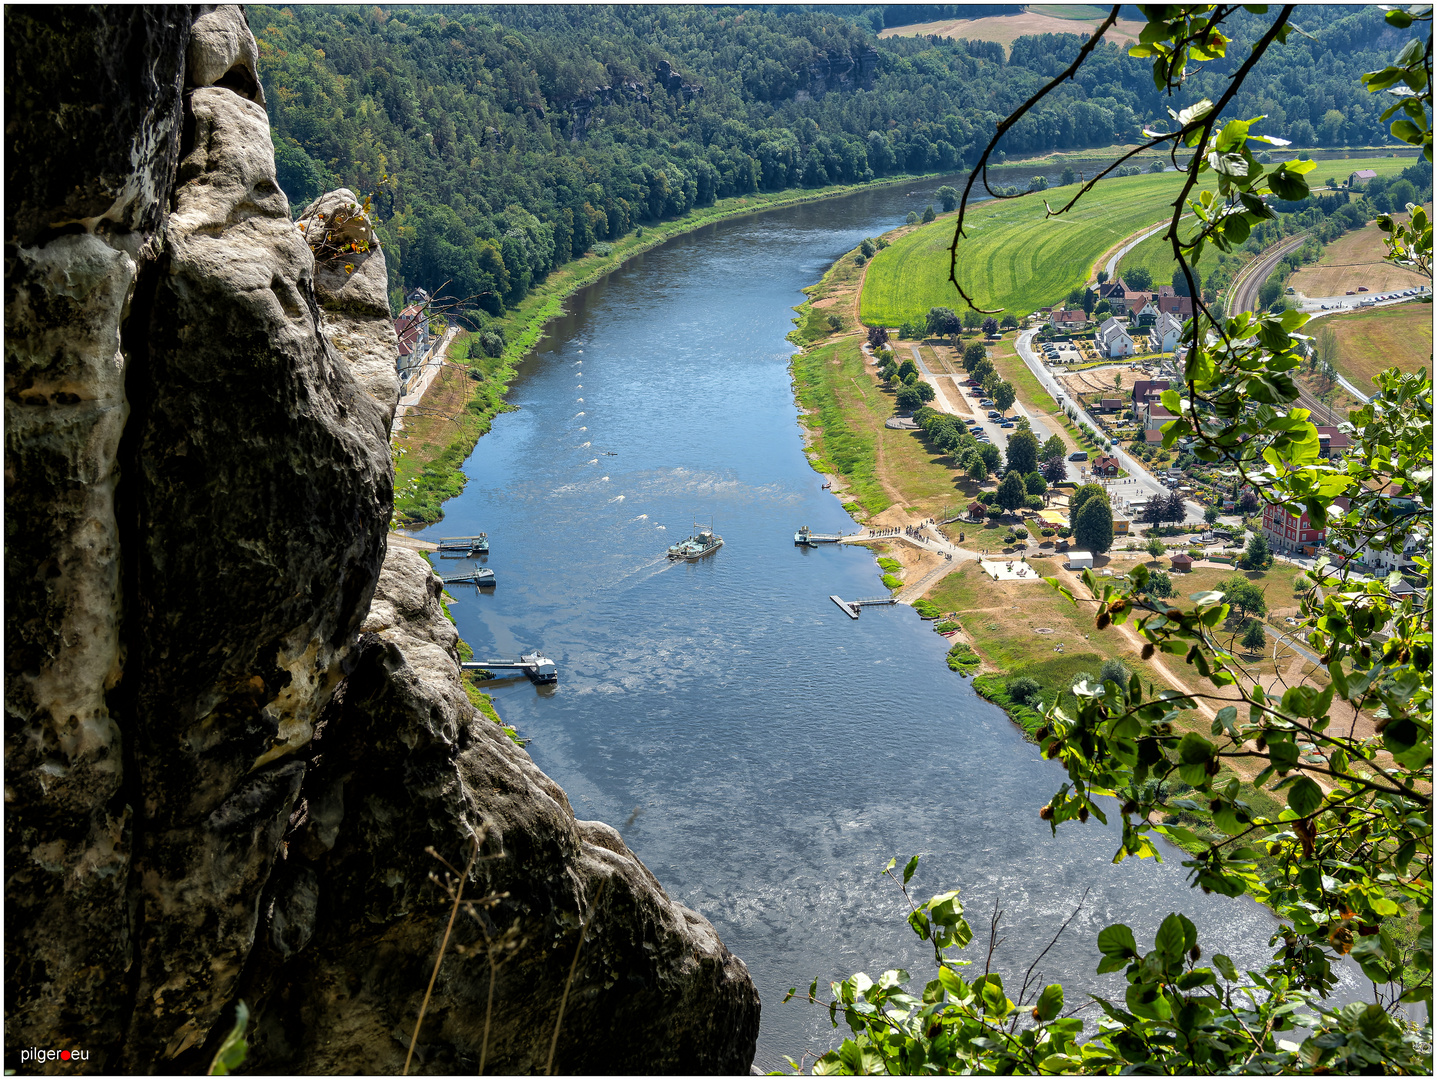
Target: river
(768,754)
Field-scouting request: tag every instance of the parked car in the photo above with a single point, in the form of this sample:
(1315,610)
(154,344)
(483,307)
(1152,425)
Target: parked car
(1006,423)
(993,414)
(1351,293)
(1078,455)
(1362,288)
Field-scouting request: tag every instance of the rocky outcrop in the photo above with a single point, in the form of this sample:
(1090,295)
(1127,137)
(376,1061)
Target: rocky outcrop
(224,757)
(351,281)
(583,106)
(404,762)
(839,71)
(666,78)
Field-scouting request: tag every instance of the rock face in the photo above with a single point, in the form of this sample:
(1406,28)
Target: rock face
(225,753)
(403,761)
(840,71)
(352,283)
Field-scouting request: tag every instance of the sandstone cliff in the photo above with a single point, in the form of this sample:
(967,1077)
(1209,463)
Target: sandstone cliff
(226,752)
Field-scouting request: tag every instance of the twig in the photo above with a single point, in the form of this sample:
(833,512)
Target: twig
(443,945)
(1081,901)
(993,939)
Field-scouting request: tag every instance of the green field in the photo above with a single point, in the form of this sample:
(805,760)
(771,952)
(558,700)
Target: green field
(1017,259)
(1156,253)
(1013,257)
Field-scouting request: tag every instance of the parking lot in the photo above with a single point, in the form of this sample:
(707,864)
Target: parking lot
(1356,299)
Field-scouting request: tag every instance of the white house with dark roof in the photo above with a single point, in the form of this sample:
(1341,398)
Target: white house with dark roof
(1165,331)
(1113,340)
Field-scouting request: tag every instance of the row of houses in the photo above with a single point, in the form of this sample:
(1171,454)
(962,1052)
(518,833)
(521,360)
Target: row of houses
(1114,341)
(412,330)
(1146,306)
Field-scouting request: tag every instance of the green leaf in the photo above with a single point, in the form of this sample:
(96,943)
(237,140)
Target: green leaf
(1050,1002)
(1225,965)
(1304,796)
(909,869)
(1117,940)
(232,1051)
(1171,941)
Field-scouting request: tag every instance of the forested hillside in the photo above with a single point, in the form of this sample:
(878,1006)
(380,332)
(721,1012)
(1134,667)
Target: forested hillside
(499,142)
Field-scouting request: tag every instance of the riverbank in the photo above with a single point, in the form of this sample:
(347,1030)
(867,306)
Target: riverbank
(1016,629)
(460,406)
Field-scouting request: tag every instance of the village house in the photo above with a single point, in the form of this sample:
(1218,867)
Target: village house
(1106,466)
(1290,530)
(1360,178)
(1145,390)
(1335,441)
(1166,328)
(412,330)
(1133,303)
(1181,562)
(1148,313)
(1067,320)
(1113,340)
(1110,404)
(1168,300)
(1417,538)
(1154,414)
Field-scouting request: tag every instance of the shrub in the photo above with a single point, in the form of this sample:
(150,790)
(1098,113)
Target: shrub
(891,582)
(927,609)
(1114,670)
(1026,691)
(962,658)
(1021,533)
(947,626)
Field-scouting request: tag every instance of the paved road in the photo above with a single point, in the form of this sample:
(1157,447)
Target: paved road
(943,383)
(432,366)
(1112,267)
(1140,483)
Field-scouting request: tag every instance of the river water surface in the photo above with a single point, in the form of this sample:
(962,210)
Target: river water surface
(768,753)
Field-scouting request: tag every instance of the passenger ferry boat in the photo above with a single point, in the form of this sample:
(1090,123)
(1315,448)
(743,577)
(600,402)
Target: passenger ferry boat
(704,542)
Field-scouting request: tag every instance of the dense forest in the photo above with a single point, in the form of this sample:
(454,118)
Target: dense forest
(498,142)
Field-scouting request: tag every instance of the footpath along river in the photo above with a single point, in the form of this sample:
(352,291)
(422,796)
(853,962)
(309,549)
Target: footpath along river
(768,753)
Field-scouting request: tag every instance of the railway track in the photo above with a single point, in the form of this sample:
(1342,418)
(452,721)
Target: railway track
(1245,288)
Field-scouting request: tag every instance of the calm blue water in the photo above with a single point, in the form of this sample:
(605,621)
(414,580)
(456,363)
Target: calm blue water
(772,753)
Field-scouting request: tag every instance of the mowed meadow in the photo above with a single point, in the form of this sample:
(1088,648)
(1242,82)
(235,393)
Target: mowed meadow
(1018,259)
(1156,253)
(1014,257)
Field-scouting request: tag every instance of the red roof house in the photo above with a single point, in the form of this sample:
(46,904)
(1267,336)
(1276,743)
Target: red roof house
(1181,561)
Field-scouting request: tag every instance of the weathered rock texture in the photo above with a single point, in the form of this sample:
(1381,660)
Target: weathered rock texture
(224,762)
(352,283)
(403,761)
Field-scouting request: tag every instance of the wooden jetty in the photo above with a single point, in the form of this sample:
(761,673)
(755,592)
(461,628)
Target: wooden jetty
(852,607)
(481,576)
(538,667)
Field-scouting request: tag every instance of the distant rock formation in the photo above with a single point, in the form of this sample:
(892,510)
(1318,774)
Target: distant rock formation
(225,750)
(583,106)
(839,71)
(666,78)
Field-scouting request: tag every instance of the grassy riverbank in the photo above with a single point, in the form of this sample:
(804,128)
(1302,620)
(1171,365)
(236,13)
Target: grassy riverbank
(461,405)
